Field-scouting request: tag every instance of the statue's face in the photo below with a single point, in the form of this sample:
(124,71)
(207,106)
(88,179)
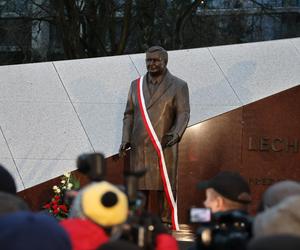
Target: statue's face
(155,64)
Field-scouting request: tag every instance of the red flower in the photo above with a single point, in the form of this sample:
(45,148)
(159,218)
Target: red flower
(63,208)
(54,202)
(56,206)
(56,211)
(56,197)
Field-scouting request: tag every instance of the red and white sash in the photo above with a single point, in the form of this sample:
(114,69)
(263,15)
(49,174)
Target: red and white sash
(158,148)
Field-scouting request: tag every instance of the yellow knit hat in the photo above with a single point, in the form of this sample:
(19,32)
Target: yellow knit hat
(104,204)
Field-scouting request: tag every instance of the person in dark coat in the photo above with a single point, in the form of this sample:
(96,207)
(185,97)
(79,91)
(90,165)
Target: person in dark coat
(275,242)
(167,102)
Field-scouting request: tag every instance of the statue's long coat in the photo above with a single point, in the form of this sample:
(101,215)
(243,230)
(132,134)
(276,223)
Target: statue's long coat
(169,112)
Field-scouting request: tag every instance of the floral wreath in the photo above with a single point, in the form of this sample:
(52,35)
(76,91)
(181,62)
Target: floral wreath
(59,206)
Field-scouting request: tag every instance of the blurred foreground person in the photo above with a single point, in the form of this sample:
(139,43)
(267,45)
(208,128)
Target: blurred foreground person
(229,226)
(32,231)
(278,192)
(97,214)
(283,218)
(10,203)
(275,242)
(155,235)
(226,191)
(118,245)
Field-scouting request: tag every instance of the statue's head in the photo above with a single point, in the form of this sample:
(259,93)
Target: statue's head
(156,60)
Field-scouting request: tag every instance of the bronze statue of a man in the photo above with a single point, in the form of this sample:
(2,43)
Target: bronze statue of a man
(167,103)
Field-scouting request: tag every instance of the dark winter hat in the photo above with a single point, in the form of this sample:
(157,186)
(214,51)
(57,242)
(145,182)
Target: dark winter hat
(34,231)
(275,242)
(280,191)
(231,185)
(7,182)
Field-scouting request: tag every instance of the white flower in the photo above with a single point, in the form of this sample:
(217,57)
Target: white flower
(63,182)
(55,187)
(70,185)
(68,174)
(57,191)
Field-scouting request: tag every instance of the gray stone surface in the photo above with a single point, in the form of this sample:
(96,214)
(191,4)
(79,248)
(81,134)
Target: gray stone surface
(4,150)
(201,112)
(97,80)
(103,124)
(258,70)
(43,130)
(34,172)
(31,83)
(12,169)
(296,43)
(207,84)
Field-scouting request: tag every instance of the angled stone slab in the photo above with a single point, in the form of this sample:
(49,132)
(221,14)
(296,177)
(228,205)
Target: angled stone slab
(201,113)
(97,80)
(4,150)
(258,70)
(103,124)
(34,172)
(296,43)
(36,82)
(43,130)
(207,84)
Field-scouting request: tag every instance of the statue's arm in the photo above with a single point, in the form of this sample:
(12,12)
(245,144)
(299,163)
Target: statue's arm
(182,110)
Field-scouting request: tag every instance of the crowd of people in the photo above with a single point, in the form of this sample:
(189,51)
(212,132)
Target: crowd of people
(101,217)
(275,226)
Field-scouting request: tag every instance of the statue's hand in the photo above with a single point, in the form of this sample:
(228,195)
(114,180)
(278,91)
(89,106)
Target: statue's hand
(123,147)
(169,140)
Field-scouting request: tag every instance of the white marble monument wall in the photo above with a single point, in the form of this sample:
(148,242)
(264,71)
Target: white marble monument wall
(52,112)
